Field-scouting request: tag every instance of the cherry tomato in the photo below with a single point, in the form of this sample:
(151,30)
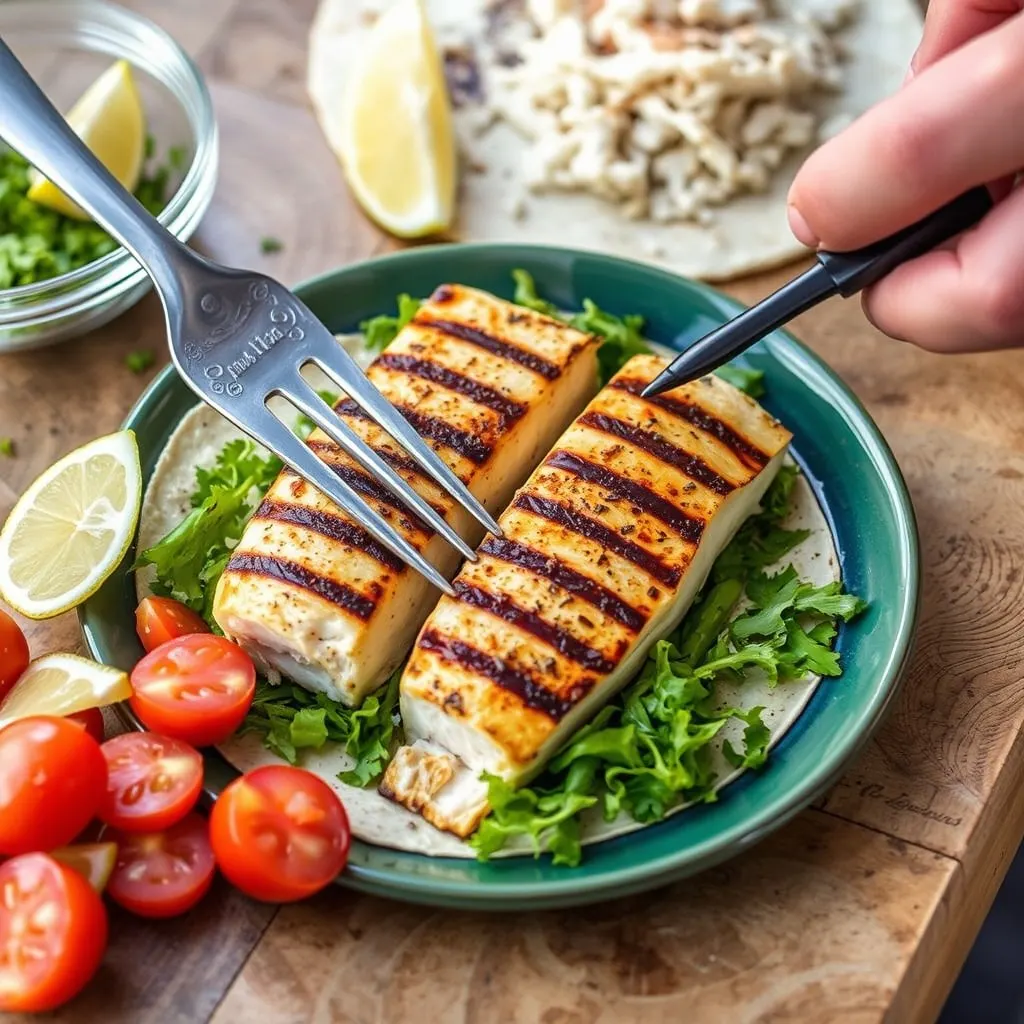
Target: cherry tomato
(91,720)
(53,931)
(13,652)
(161,874)
(279,833)
(159,619)
(152,781)
(52,778)
(196,688)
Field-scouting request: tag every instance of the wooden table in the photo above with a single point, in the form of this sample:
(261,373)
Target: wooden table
(862,909)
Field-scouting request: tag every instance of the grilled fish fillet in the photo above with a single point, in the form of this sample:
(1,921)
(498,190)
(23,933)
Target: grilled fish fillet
(604,549)
(307,592)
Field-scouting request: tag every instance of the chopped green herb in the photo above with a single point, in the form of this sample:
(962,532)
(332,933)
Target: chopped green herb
(176,157)
(149,147)
(7,447)
(269,244)
(139,362)
(380,331)
(37,243)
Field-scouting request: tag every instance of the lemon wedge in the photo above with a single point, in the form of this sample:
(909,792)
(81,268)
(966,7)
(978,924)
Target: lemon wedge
(108,118)
(62,685)
(397,142)
(69,530)
(93,861)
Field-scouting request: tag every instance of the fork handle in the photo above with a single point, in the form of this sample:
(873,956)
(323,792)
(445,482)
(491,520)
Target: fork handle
(30,124)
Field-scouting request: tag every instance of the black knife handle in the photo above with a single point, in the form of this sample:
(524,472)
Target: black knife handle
(854,271)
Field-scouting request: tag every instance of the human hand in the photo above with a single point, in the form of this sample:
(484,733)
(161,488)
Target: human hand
(957,122)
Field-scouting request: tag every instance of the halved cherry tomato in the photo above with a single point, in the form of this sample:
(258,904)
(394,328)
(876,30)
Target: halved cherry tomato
(13,652)
(279,833)
(93,861)
(161,874)
(53,931)
(52,778)
(196,688)
(159,619)
(91,720)
(152,781)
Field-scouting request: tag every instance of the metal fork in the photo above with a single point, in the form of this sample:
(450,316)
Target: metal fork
(239,338)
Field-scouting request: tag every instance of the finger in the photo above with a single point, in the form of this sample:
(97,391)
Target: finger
(969,297)
(951,23)
(945,132)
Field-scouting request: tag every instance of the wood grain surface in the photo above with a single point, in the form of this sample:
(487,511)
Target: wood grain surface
(860,910)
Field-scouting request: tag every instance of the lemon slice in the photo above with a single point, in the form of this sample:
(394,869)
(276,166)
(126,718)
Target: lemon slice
(69,530)
(397,143)
(108,118)
(62,685)
(94,861)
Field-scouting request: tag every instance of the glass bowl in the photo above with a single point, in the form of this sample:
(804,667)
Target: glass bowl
(66,44)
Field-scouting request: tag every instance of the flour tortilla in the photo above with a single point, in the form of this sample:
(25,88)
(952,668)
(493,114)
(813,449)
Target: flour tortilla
(750,233)
(197,441)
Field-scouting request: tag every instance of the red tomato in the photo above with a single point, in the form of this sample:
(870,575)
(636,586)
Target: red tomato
(152,781)
(159,619)
(196,688)
(13,652)
(91,720)
(53,931)
(161,874)
(279,833)
(52,778)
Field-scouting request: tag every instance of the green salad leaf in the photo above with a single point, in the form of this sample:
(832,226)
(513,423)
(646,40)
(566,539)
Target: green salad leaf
(190,559)
(380,331)
(291,719)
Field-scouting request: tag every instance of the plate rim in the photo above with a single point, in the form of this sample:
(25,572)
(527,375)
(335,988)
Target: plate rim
(723,844)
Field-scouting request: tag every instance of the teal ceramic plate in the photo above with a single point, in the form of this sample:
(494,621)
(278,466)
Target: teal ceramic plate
(853,474)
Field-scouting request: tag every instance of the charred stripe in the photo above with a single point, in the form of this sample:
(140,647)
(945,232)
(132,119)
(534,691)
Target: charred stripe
(533,694)
(701,419)
(339,594)
(497,346)
(596,531)
(665,451)
(481,394)
(331,526)
(469,446)
(688,527)
(568,579)
(507,610)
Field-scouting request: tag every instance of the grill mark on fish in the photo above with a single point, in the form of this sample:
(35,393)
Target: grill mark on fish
(507,610)
(370,488)
(481,394)
(701,418)
(497,346)
(349,600)
(331,526)
(469,446)
(597,531)
(533,694)
(688,527)
(672,455)
(568,579)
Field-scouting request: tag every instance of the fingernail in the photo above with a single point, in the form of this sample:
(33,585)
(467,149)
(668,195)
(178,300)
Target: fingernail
(801,228)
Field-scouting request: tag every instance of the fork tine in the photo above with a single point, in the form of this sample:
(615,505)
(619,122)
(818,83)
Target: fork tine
(345,372)
(269,431)
(307,401)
